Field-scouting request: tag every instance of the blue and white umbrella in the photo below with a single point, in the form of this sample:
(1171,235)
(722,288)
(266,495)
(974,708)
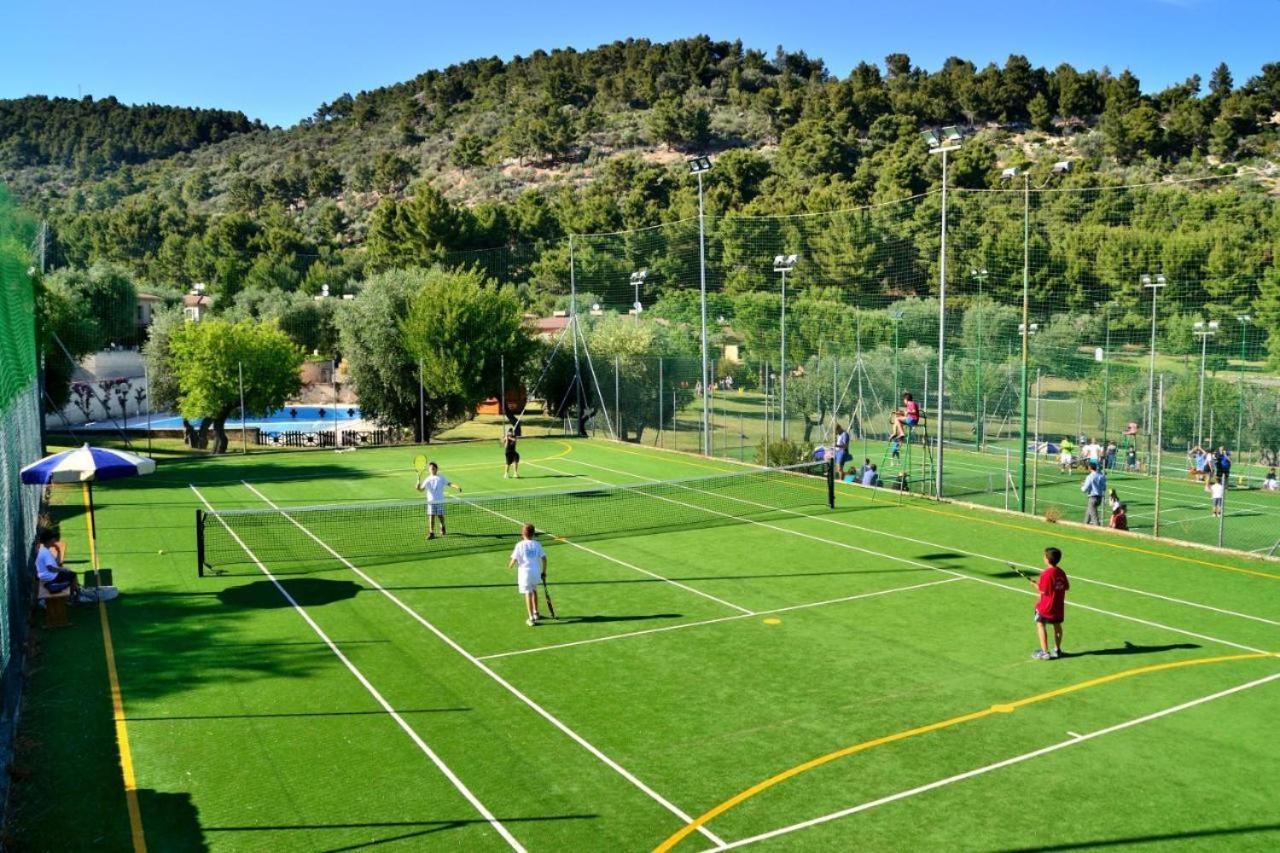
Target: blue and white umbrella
(85,465)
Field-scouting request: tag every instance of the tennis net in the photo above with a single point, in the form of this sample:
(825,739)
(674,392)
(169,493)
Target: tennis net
(395,531)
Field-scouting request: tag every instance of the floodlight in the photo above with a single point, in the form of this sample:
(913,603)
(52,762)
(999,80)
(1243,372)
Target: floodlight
(784,263)
(1009,174)
(930,138)
(977,273)
(720,320)
(1061,167)
(952,134)
(1244,318)
(699,164)
(639,276)
(1213,324)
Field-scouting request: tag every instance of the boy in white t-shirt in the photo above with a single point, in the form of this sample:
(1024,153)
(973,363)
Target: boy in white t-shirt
(1217,491)
(530,563)
(434,485)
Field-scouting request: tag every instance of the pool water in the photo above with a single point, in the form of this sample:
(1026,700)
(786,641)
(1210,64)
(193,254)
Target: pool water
(289,419)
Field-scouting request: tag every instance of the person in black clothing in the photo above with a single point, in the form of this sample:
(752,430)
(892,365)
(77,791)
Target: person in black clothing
(512,468)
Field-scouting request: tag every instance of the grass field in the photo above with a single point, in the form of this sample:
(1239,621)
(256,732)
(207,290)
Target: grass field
(808,678)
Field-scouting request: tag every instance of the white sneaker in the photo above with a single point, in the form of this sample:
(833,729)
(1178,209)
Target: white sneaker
(516,475)
(504,475)
(530,622)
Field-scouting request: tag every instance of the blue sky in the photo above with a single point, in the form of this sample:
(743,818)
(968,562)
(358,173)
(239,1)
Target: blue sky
(278,59)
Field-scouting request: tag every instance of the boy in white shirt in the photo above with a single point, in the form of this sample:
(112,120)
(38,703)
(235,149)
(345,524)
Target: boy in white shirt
(1217,490)
(434,485)
(530,563)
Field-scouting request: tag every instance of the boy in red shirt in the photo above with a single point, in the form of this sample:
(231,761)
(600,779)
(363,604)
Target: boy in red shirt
(1053,586)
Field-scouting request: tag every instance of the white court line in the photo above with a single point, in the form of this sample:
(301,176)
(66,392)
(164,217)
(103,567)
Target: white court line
(542,712)
(910,562)
(903,538)
(877,532)
(716,621)
(1017,759)
(373,691)
(605,556)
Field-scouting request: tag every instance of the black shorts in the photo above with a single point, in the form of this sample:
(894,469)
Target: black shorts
(512,456)
(63,578)
(1046,620)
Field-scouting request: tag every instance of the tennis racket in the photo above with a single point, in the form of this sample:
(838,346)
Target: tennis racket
(420,466)
(546,590)
(1021,573)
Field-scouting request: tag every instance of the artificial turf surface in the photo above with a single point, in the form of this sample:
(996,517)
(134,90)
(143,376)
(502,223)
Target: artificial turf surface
(687,667)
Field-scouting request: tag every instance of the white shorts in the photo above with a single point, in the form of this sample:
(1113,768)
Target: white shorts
(528,581)
(435,509)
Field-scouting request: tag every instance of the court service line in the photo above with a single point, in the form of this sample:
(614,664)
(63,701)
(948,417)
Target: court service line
(1008,762)
(976,554)
(373,691)
(666,628)
(910,562)
(919,505)
(510,688)
(604,556)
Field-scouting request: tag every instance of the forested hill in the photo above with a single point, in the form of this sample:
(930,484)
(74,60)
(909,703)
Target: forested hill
(492,153)
(91,138)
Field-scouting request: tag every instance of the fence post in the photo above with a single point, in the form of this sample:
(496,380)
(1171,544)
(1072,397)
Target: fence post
(617,406)
(1155,524)
(244,442)
(1007,475)
(660,412)
(1035,470)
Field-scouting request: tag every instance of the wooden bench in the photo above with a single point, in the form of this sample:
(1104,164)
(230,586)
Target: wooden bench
(55,607)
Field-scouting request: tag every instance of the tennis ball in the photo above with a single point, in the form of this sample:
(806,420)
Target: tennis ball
(161,551)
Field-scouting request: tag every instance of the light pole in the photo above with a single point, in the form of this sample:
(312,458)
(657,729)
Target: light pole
(1059,168)
(1106,370)
(1203,331)
(782,264)
(697,166)
(1155,283)
(980,410)
(896,317)
(637,279)
(1244,320)
(942,142)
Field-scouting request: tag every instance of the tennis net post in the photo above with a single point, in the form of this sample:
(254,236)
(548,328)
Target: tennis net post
(200,516)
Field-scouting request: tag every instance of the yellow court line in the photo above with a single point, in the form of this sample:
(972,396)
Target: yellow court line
(117,705)
(1004,708)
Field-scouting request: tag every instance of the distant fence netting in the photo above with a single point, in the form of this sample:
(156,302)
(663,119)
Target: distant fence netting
(1129,288)
(19,445)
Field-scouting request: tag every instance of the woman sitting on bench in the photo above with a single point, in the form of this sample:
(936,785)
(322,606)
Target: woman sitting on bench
(48,568)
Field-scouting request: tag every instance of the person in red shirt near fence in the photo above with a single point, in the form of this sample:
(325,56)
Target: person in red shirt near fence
(1050,609)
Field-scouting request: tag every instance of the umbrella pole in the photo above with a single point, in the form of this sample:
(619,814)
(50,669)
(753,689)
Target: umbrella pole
(93,530)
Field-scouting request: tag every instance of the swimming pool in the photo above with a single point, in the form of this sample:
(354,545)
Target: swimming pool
(289,419)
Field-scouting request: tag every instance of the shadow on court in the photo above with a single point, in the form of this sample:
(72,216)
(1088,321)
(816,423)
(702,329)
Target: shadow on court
(779,576)
(308,592)
(1131,649)
(601,617)
(1135,840)
(402,830)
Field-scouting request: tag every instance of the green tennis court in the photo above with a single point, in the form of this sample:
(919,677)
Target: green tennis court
(734,663)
